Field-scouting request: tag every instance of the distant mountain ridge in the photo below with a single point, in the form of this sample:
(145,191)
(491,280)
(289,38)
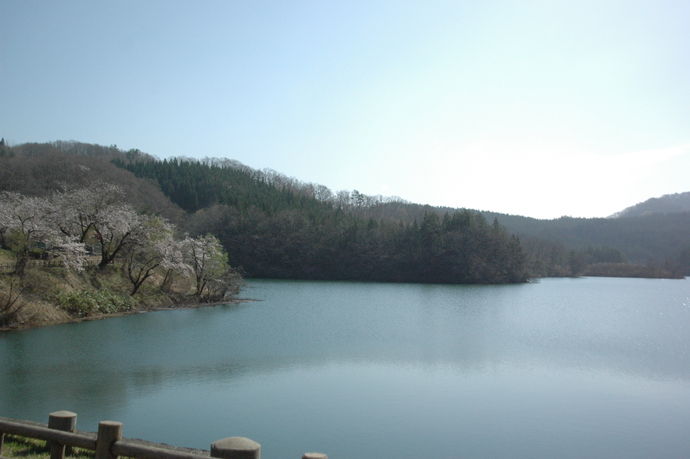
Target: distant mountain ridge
(666,204)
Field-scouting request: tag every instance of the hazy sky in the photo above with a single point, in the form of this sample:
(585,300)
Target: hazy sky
(540,108)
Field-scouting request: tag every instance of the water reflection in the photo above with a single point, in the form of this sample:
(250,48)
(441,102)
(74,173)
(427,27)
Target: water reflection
(509,357)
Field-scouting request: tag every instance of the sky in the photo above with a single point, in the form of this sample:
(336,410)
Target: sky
(537,108)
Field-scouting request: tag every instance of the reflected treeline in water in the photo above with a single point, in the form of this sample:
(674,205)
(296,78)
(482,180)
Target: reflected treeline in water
(41,372)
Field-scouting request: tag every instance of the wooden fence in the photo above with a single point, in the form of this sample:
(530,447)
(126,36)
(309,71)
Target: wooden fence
(108,442)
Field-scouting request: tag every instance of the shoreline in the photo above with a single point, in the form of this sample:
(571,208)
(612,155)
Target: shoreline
(194,305)
(181,306)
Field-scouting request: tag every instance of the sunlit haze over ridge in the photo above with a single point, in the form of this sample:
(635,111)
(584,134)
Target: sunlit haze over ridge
(533,108)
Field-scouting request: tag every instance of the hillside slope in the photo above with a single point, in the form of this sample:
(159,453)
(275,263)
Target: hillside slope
(666,204)
(273,226)
(276,226)
(39,169)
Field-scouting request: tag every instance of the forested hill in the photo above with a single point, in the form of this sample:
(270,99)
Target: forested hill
(275,226)
(564,246)
(195,185)
(297,224)
(39,169)
(666,204)
(651,239)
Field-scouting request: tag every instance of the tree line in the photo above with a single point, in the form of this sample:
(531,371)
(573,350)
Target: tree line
(275,227)
(197,194)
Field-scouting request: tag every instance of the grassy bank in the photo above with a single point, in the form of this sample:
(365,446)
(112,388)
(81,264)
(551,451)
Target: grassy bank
(29,448)
(53,295)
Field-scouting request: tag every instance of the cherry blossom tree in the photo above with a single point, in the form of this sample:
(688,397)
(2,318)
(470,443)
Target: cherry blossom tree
(78,209)
(157,247)
(24,225)
(115,228)
(145,244)
(209,262)
(73,254)
(26,222)
(98,214)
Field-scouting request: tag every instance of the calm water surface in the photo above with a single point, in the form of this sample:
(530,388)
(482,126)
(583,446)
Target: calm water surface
(566,368)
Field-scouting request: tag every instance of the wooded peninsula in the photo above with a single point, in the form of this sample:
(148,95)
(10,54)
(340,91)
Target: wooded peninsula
(88,229)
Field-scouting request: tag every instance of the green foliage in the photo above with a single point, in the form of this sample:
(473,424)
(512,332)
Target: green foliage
(194,185)
(83,303)
(339,246)
(595,255)
(280,231)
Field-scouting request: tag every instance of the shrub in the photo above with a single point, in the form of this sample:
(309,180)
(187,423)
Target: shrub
(86,302)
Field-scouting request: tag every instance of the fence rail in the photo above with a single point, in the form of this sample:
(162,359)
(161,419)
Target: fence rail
(109,444)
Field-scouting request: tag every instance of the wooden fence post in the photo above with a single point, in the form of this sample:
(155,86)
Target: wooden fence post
(235,448)
(2,441)
(65,421)
(108,433)
(314,456)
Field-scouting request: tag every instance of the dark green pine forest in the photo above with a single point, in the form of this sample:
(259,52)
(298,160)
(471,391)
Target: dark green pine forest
(275,227)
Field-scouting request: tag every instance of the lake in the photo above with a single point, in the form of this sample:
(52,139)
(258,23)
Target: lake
(567,368)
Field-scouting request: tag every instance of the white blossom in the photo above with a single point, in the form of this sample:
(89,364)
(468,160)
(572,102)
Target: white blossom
(25,220)
(78,209)
(73,255)
(208,261)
